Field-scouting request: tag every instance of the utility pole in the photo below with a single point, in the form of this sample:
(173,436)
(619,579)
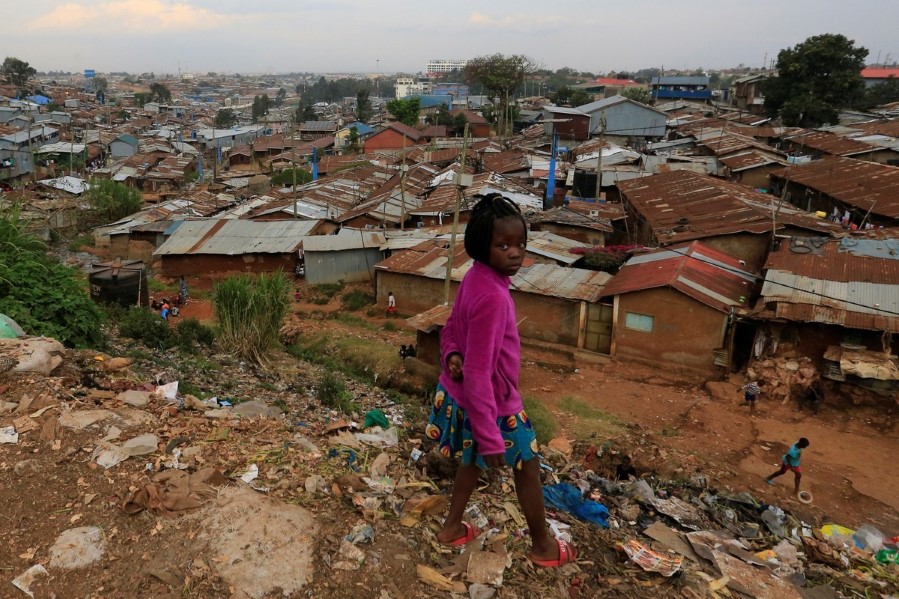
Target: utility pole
(403,170)
(452,246)
(293,161)
(602,137)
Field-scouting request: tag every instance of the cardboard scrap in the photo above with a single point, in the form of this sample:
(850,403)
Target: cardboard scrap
(437,580)
(671,539)
(651,561)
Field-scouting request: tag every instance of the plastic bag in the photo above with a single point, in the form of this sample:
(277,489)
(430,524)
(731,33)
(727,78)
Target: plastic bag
(868,537)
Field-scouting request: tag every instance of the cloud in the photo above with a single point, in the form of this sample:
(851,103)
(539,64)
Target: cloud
(516,21)
(127,16)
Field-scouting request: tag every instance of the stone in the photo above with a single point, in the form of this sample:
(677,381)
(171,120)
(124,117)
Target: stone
(268,544)
(142,445)
(249,409)
(485,567)
(7,406)
(26,467)
(83,418)
(477,590)
(77,548)
(138,399)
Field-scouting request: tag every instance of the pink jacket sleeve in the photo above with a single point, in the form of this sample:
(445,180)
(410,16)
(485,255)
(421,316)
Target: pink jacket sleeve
(486,328)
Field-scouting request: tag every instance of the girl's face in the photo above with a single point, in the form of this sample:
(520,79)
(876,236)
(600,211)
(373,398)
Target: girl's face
(507,246)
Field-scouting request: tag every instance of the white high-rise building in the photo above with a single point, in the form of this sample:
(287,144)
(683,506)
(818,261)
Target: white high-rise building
(438,65)
(411,86)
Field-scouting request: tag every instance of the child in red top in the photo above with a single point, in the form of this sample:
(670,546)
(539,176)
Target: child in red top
(478,413)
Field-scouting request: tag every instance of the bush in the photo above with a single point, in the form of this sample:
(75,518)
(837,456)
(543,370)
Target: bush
(249,312)
(332,392)
(285,177)
(147,327)
(191,331)
(356,300)
(43,296)
(112,200)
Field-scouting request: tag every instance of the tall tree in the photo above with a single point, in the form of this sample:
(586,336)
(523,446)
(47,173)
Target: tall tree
(225,118)
(405,110)
(815,79)
(637,94)
(160,93)
(499,76)
(363,106)
(882,93)
(280,96)
(16,71)
(101,84)
(261,105)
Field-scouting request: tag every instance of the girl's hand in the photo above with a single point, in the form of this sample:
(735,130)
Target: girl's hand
(496,460)
(454,363)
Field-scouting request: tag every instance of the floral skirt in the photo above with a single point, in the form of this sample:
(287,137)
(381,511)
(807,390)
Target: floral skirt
(450,427)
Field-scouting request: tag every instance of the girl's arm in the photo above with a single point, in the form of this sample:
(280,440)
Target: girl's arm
(449,345)
(486,330)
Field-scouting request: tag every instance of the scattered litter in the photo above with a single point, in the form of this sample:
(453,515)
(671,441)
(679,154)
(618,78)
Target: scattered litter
(567,497)
(376,418)
(432,577)
(250,474)
(651,561)
(77,548)
(805,497)
(168,392)
(24,580)
(362,533)
(486,567)
(8,434)
(379,437)
(559,530)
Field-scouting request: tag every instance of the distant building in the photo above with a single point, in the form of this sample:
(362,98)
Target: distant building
(623,117)
(412,86)
(748,94)
(123,146)
(875,76)
(681,88)
(438,65)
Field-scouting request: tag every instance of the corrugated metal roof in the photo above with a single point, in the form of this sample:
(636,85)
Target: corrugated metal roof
(682,206)
(848,260)
(348,239)
(707,275)
(431,319)
(748,160)
(857,183)
(544,243)
(830,143)
(236,237)
(429,260)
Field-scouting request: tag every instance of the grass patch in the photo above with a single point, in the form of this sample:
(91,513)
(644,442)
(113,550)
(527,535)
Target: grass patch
(590,421)
(357,299)
(351,319)
(389,326)
(86,240)
(249,311)
(187,388)
(332,392)
(545,424)
(156,286)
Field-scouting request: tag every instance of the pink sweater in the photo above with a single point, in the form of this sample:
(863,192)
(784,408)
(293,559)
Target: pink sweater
(483,330)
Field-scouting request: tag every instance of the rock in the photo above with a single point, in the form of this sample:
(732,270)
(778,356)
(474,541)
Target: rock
(138,399)
(315,483)
(268,544)
(26,467)
(7,406)
(562,445)
(249,409)
(34,354)
(486,568)
(481,591)
(116,364)
(352,557)
(142,445)
(77,548)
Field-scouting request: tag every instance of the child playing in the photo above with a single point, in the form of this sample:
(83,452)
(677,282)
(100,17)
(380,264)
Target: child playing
(752,389)
(479,414)
(790,461)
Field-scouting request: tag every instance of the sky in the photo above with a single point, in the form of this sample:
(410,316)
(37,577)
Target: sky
(360,36)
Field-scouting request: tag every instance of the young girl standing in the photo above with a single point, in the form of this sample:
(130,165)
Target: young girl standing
(478,411)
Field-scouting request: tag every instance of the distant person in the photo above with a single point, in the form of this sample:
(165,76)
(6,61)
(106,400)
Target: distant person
(391,303)
(410,352)
(790,461)
(403,351)
(752,389)
(182,295)
(165,309)
(478,414)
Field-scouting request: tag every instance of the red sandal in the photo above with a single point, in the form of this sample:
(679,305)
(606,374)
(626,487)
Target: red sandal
(567,555)
(471,533)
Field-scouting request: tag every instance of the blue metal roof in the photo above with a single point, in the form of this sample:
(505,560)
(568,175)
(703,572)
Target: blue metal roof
(430,101)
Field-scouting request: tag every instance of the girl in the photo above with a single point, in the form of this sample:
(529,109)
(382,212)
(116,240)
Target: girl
(479,414)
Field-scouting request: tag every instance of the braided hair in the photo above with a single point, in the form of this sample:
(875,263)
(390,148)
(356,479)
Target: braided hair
(479,230)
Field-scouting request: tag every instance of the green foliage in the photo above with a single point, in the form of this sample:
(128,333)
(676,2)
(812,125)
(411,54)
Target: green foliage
(43,296)
(353,141)
(637,94)
(261,106)
(159,93)
(591,422)
(191,332)
(454,123)
(543,421)
(225,118)
(285,177)
(882,93)
(816,78)
(357,299)
(566,96)
(332,91)
(112,200)
(328,290)
(16,71)
(389,326)
(305,112)
(101,84)
(499,76)
(79,242)
(280,96)
(332,392)
(363,106)
(249,312)
(146,326)
(405,110)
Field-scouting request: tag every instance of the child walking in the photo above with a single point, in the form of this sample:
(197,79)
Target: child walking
(478,412)
(790,461)
(752,390)
(391,303)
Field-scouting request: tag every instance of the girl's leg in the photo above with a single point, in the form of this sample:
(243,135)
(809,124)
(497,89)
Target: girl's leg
(796,486)
(530,496)
(466,480)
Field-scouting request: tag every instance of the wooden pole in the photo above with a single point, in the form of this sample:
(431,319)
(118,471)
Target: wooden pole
(452,246)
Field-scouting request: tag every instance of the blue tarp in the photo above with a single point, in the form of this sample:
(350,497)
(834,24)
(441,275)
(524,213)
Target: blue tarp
(42,100)
(568,498)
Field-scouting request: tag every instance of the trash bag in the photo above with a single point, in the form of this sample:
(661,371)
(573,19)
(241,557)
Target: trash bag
(567,497)
(868,537)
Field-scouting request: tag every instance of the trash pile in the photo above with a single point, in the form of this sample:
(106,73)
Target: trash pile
(286,493)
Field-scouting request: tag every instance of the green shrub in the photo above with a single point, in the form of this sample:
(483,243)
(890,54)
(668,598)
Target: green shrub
(357,299)
(332,392)
(249,312)
(541,418)
(112,200)
(285,177)
(43,296)
(328,290)
(389,326)
(191,331)
(147,327)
